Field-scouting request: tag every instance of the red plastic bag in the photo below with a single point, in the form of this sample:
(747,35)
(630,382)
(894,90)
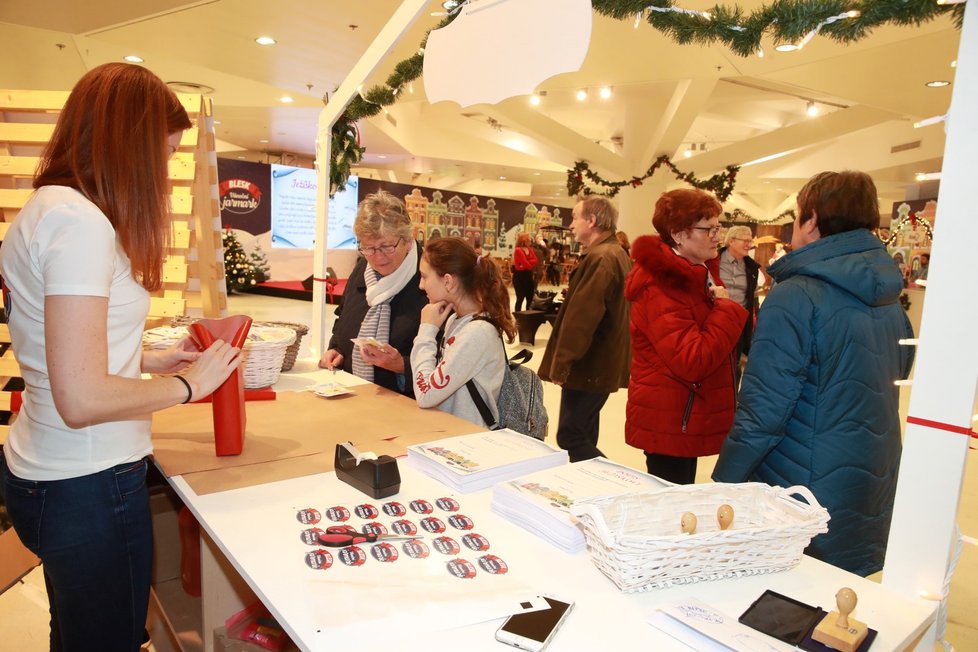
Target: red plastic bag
(228,399)
(256,625)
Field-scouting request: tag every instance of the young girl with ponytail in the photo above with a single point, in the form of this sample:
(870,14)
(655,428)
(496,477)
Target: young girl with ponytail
(461,329)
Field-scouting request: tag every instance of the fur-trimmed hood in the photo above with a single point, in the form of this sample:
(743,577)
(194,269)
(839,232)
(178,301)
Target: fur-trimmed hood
(657,264)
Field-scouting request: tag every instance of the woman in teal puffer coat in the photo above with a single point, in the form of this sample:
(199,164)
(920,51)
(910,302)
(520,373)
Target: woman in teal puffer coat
(819,406)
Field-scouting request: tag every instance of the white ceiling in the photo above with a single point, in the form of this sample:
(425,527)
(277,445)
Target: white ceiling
(666,96)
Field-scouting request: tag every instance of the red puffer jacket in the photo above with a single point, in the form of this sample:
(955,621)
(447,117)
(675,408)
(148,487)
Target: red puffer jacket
(681,393)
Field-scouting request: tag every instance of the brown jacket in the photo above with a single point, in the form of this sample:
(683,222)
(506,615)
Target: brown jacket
(589,348)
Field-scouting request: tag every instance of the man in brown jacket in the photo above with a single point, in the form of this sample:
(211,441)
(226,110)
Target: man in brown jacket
(588,354)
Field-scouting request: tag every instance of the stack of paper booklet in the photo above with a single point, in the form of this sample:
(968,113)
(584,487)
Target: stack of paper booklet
(541,502)
(473,462)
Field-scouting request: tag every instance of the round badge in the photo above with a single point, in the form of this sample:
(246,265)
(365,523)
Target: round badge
(475,542)
(493,564)
(415,548)
(421,507)
(319,559)
(461,522)
(374,528)
(461,568)
(384,552)
(433,525)
(394,509)
(352,556)
(310,537)
(366,511)
(338,514)
(446,545)
(308,516)
(447,504)
(404,527)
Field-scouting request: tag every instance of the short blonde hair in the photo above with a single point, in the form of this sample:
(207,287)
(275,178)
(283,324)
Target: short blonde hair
(382,214)
(737,233)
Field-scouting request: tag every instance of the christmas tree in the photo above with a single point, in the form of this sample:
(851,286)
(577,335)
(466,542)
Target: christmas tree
(241,270)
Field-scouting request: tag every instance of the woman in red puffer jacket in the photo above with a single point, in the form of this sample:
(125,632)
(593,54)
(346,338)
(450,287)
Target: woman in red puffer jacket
(683,328)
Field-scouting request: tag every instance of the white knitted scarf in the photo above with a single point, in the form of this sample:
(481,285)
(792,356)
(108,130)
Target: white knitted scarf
(380,291)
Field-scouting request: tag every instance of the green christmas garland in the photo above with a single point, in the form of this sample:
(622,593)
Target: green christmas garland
(785,21)
(740,215)
(720,184)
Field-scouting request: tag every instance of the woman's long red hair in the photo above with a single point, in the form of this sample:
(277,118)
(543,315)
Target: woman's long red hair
(110,144)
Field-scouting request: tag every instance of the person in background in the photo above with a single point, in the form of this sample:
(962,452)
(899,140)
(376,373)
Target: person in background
(684,327)
(740,273)
(468,297)
(921,273)
(587,353)
(78,264)
(542,252)
(524,262)
(624,242)
(382,299)
(818,404)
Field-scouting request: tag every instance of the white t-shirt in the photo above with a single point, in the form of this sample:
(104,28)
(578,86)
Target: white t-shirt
(62,244)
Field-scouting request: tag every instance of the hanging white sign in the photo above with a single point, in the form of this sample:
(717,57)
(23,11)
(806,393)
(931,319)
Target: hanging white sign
(497,49)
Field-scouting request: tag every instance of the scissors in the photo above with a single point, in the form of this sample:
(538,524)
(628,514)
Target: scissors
(341,536)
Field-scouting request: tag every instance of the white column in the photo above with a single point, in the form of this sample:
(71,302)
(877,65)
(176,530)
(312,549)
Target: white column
(399,22)
(946,376)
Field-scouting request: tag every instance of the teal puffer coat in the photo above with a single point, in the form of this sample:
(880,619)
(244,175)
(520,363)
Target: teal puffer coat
(818,404)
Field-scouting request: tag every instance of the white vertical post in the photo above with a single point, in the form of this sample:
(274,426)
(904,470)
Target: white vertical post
(922,535)
(399,22)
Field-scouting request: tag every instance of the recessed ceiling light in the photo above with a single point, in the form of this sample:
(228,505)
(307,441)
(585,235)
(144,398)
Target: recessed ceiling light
(503,178)
(581,95)
(132,58)
(605,92)
(263,140)
(535,99)
(190,87)
(217,122)
(536,174)
(811,109)
(265,40)
(381,156)
(786,47)
(285,99)
(938,83)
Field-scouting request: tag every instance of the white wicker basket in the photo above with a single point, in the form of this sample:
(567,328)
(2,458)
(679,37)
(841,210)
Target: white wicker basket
(263,353)
(637,541)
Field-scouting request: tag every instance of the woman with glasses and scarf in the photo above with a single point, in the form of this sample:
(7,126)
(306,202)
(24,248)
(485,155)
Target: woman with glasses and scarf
(461,329)
(684,327)
(383,301)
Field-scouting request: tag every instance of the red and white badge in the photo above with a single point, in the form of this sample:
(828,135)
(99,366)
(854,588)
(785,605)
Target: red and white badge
(310,537)
(319,559)
(493,564)
(308,516)
(461,522)
(447,504)
(384,552)
(338,514)
(446,545)
(475,542)
(366,511)
(461,568)
(416,549)
(394,509)
(421,506)
(404,527)
(433,525)
(352,556)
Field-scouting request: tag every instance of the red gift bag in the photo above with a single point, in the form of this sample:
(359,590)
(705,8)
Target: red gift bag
(228,399)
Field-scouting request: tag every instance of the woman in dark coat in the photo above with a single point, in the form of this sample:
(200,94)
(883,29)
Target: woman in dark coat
(818,405)
(683,331)
(382,300)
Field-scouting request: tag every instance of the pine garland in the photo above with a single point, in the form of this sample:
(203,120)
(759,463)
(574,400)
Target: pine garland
(720,184)
(785,21)
(740,215)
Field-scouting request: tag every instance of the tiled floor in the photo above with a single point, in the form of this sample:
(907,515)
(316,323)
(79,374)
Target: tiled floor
(23,609)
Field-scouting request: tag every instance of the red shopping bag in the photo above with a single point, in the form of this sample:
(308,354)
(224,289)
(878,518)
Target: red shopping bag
(228,399)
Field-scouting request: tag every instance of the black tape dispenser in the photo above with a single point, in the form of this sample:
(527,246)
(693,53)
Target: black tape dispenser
(377,477)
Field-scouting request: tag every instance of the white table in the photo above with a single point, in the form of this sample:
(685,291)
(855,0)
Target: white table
(247,547)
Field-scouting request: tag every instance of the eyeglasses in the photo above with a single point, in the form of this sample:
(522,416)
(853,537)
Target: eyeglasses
(711,231)
(386,249)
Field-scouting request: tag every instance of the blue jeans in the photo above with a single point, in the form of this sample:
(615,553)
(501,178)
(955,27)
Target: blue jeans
(94,537)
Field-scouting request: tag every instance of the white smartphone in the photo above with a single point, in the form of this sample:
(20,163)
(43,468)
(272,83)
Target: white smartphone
(534,630)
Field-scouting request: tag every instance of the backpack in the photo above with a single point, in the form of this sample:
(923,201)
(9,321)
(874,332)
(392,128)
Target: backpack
(520,403)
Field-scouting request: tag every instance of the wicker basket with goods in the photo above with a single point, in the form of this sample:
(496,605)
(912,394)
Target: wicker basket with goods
(263,352)
(637,539)
(291,352)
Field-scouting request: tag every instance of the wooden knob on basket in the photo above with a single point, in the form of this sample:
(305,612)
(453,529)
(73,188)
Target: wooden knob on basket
(725,516)
(688,523)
